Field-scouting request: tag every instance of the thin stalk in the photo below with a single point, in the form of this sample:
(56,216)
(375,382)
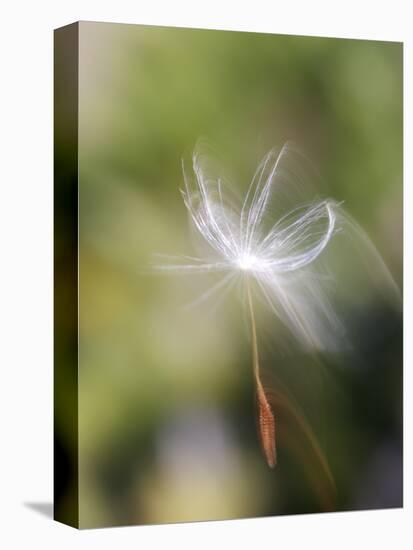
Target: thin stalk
(265,414)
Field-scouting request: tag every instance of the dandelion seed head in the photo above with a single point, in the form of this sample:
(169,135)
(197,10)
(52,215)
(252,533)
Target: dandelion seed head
(278,234)
(249,262)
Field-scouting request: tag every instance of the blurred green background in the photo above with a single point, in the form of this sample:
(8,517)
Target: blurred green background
(167,422)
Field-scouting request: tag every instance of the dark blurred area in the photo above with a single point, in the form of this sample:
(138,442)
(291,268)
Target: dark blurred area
(65,203)
(167,421)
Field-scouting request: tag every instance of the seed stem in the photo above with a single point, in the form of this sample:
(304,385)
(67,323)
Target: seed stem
(266,417)
(255,356)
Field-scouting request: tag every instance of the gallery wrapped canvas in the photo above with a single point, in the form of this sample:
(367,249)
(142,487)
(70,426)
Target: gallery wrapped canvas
(228,275)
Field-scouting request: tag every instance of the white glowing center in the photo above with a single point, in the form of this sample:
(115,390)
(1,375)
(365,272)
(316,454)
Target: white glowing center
(248,261)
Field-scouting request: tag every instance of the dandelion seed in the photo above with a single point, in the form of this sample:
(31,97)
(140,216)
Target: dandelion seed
(275,251)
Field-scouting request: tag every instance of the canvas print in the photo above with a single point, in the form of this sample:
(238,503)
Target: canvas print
(228,275)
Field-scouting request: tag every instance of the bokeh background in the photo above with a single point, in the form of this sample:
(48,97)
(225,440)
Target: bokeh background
(167,422)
